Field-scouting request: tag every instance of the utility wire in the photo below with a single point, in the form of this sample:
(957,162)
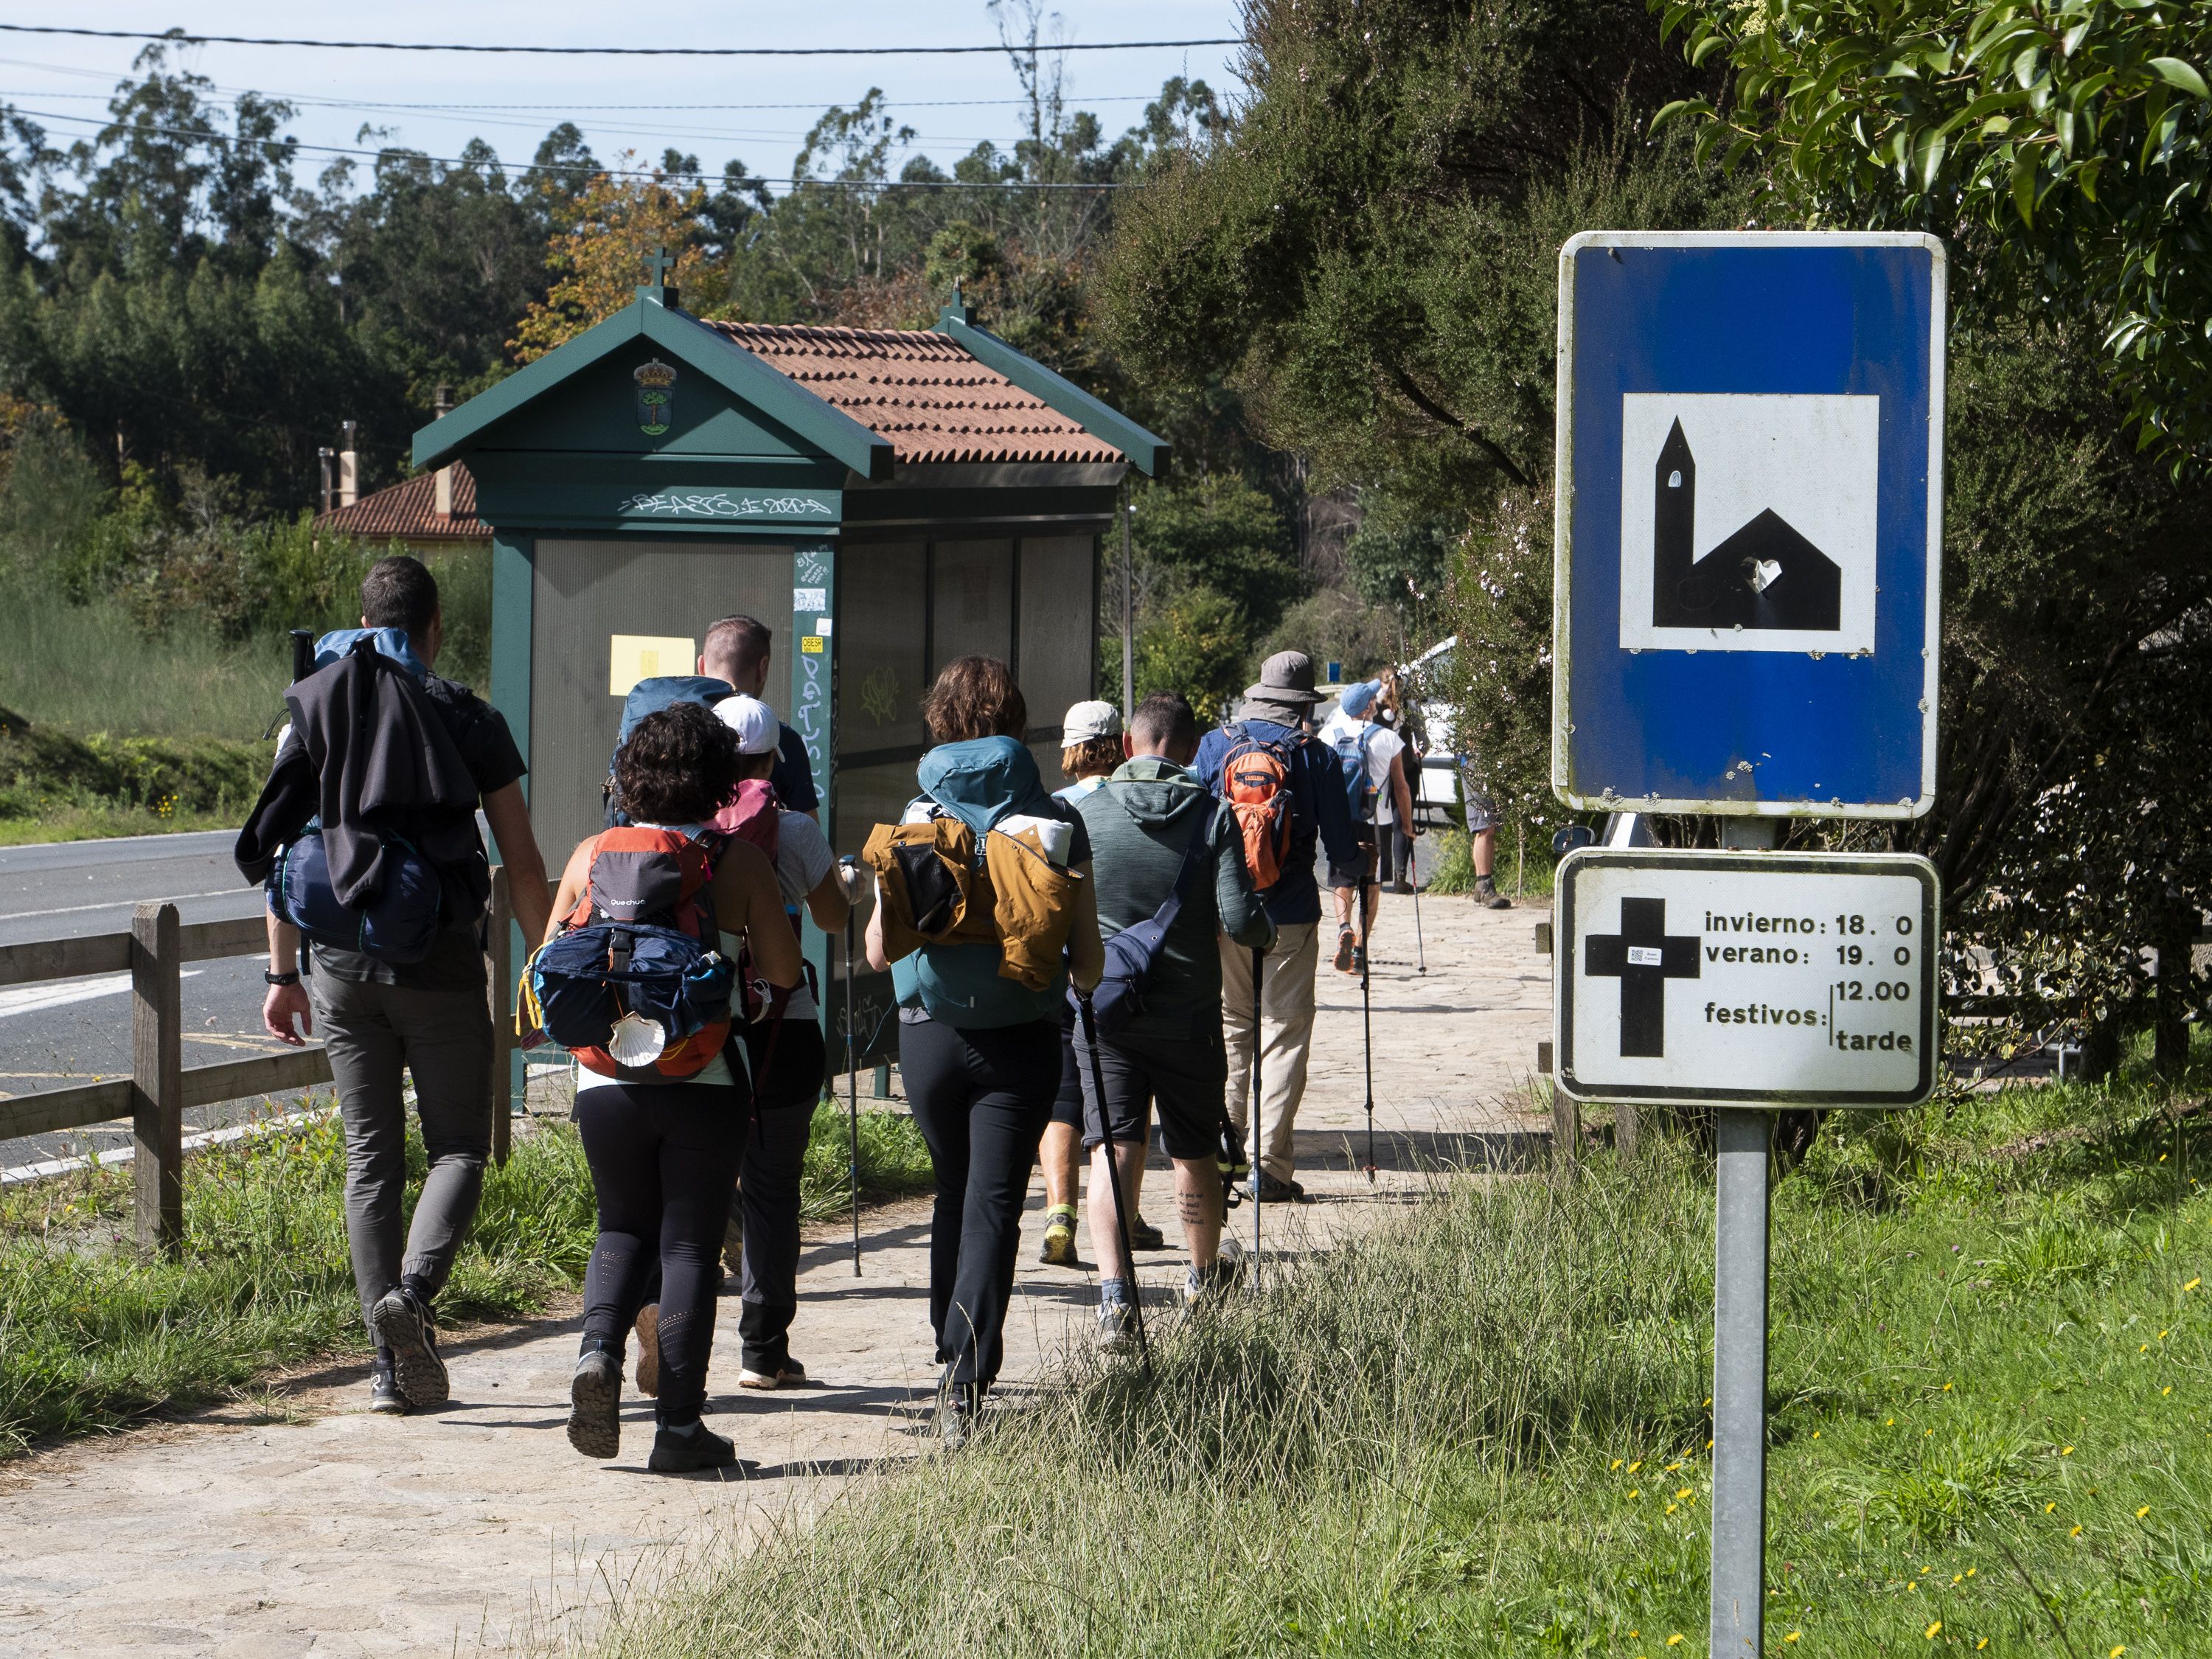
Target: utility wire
(609,52)
(589,169)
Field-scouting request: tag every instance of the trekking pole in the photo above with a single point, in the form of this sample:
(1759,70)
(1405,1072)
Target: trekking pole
(1366,966)
(852,1085)
(1259,1170)
(1113,1179)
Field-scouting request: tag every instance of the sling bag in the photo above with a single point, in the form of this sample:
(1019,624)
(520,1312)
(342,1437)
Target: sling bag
(1131,954)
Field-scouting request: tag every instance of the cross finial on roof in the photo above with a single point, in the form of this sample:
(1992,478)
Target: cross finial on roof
(956,311)
(658,265)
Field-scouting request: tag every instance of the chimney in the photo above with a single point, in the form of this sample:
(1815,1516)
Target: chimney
(328,458)
(443,402)
(349,463)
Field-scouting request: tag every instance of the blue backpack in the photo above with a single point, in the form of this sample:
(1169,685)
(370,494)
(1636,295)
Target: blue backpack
(1359,788)
(650,697)
(399,925)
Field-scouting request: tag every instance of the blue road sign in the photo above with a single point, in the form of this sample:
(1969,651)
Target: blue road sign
(1749,523)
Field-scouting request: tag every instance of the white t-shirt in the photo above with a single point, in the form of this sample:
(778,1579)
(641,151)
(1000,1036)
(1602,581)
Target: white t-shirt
(1341,731)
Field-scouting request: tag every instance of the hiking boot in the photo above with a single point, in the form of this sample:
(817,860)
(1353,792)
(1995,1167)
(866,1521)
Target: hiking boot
(1348,942)
(959,1416)
(1268,1190)
(694,1446)
(1143,1236)
(648,1351)
(1401,887)
(789,1375)
(1204,1288)
(1486,893)
(1117,1319)
(1059,1237)
(401,1322)
(594,1404)
(385,1399)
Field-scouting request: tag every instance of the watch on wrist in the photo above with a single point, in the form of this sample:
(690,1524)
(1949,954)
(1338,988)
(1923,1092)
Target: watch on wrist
(279,979)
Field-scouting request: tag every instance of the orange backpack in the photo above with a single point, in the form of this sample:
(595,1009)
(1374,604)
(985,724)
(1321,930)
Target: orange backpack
(651,878)
(1255,780)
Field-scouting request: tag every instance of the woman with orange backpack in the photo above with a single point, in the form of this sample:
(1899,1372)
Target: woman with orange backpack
(654,925)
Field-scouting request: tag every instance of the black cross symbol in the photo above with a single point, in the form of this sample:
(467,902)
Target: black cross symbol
(657,266)
(1643,955)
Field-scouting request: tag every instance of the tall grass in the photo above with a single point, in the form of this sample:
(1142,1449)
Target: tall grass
(1483,1429)
(92,1335)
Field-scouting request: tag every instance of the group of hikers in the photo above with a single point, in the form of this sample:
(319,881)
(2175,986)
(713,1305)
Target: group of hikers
(1069,965)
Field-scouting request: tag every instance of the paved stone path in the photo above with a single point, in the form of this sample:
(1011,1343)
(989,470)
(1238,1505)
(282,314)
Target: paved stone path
(303,1524)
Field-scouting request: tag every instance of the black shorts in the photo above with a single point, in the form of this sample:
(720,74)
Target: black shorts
(1344,875)
(1067,1104)
(1184,1076)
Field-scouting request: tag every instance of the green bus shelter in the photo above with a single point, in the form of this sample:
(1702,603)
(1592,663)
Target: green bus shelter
(885,500)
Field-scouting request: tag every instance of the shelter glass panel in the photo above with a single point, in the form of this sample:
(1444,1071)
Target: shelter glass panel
(605,613)
(882,647)
(1058,648)
(974,615)
(866,797)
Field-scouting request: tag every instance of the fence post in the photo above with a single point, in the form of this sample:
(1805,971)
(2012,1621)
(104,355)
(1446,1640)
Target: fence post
(500,970)
(157,1092)
(1627,1130)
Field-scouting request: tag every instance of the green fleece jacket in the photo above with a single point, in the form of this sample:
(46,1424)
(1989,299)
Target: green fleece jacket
(1140,821)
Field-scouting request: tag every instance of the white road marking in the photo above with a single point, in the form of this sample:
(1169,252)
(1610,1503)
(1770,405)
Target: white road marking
(30,998)
(117,904)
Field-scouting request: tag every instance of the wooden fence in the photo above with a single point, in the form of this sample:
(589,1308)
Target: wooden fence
(161,1088)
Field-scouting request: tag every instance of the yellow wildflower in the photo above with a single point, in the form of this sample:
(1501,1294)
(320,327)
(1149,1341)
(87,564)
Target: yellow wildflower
(1675,1640)
(2141,1512)
(2076,1533)
(1934,1628)
(1616,1463)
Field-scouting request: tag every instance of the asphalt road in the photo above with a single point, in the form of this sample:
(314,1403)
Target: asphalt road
(65,1031)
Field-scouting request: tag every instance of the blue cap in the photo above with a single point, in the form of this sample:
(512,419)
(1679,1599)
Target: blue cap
(1358,699)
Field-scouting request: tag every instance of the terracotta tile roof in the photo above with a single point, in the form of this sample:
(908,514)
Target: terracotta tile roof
(408,512)
(923,391)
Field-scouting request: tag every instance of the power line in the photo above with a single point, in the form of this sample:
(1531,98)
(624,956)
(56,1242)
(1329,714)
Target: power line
(592,168)
(608,51)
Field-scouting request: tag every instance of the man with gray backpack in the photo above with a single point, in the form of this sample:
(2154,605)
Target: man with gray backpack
(1167,859)
(365,837)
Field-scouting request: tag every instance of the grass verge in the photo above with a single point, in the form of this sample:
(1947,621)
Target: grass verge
(93,1335)
(1483,1429)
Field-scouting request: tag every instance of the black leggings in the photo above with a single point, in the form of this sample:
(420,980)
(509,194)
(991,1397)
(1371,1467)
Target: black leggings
(663,1157)
(980,1099)
(768,1189)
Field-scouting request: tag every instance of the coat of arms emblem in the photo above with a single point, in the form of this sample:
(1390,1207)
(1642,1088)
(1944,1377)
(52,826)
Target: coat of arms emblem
(656,394)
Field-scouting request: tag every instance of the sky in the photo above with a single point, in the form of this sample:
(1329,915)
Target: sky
(765,105)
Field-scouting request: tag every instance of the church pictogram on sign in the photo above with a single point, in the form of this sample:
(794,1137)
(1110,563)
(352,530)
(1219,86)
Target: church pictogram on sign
(1763,575)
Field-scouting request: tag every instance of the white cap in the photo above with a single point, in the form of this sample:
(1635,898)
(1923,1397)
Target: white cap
(1086,720)
(754,722)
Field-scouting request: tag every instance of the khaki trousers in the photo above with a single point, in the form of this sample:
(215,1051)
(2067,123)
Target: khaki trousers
(1286,1021)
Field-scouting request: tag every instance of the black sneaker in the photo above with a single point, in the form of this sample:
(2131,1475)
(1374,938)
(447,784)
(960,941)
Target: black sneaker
(594,1404)
(696,1446)
(1143,1236)
(385,1399)
(1401,887)
(402,1323)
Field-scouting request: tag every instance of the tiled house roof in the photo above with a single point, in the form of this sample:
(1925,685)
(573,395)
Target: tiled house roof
(921,391)
(408,512)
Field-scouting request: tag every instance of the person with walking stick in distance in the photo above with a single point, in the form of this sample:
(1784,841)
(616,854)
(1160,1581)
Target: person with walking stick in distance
(1286,793)
(1372,759)
(1169,862)
(985,911)
(852,1064)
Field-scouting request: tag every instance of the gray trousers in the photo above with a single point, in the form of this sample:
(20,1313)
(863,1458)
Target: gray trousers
(444,1040)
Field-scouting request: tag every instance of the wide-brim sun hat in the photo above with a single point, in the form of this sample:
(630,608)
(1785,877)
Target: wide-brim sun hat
(1286,676)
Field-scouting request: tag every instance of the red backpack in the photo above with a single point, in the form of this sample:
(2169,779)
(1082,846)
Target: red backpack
(654,879)
(754,814)
(1256,782)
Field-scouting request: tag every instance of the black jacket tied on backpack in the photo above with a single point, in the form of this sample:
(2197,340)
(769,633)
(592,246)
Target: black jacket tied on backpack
(370,758)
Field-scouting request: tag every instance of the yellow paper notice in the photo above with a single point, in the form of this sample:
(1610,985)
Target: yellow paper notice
(634,657)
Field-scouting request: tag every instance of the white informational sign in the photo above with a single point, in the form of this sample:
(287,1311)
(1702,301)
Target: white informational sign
(1748,521)
(1788,979)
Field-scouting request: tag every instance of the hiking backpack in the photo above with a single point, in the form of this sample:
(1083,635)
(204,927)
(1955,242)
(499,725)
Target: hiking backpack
(1256,782)
(1133,953)
(637,962)
(649,697)
(1360,790)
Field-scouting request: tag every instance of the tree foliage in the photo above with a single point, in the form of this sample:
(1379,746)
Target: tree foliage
(2064,146)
